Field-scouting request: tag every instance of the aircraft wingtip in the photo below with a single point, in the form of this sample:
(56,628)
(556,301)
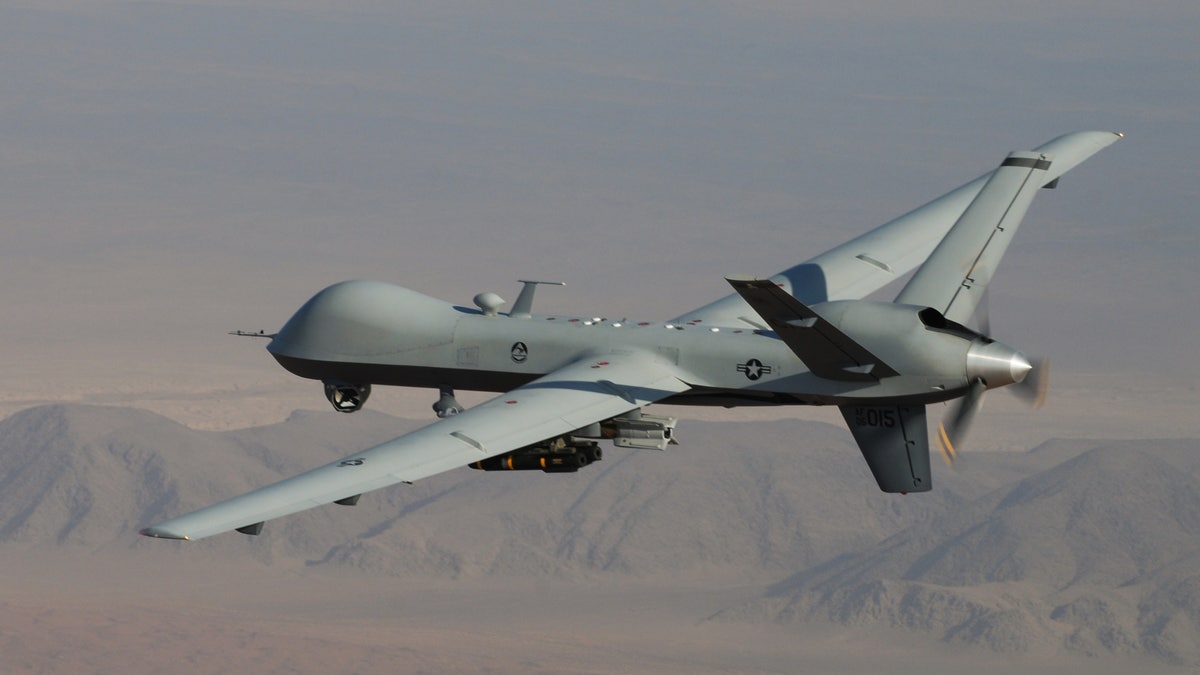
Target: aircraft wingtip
(163,534)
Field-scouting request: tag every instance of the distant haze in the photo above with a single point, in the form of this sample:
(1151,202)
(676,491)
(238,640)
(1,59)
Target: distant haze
(751,547)
(176,170)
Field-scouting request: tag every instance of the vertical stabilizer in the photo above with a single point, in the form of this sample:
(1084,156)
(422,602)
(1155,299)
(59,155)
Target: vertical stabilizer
(894,440)
(954,277)
(872,260)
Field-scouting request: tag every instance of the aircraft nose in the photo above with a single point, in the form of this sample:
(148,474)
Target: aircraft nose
(997,364)
(355,319)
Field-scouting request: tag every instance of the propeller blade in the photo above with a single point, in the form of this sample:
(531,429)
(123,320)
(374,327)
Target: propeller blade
(983,315)
(952,432)
(1036,384)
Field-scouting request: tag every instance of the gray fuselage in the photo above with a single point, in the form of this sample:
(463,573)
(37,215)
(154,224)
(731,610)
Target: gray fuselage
(367,332)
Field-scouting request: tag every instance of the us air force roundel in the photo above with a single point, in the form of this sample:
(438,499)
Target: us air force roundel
(753,369)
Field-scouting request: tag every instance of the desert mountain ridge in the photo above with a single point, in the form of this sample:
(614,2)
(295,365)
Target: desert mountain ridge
(1092,547)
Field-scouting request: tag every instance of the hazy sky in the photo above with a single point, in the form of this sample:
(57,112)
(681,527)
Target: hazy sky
(173,170)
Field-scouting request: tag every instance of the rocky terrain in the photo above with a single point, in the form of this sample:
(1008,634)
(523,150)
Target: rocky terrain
(1079,548)
(1099,554)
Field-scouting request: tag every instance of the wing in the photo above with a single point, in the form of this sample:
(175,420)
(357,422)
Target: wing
(869,262)
(575,396)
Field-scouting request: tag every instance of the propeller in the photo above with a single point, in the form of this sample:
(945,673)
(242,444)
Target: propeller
(990,362)
(1031,387)
(954,427)
(982,318)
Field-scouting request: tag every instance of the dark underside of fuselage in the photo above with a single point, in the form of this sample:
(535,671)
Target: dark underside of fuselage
(404,376)
(428,377)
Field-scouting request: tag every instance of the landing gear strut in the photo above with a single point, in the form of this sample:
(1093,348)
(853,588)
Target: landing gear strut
(447,405)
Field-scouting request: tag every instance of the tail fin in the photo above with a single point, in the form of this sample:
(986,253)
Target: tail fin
(872,260)
(954,277)
(895,442)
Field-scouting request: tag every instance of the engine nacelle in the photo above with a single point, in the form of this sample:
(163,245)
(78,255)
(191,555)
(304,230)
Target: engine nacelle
(347,398)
